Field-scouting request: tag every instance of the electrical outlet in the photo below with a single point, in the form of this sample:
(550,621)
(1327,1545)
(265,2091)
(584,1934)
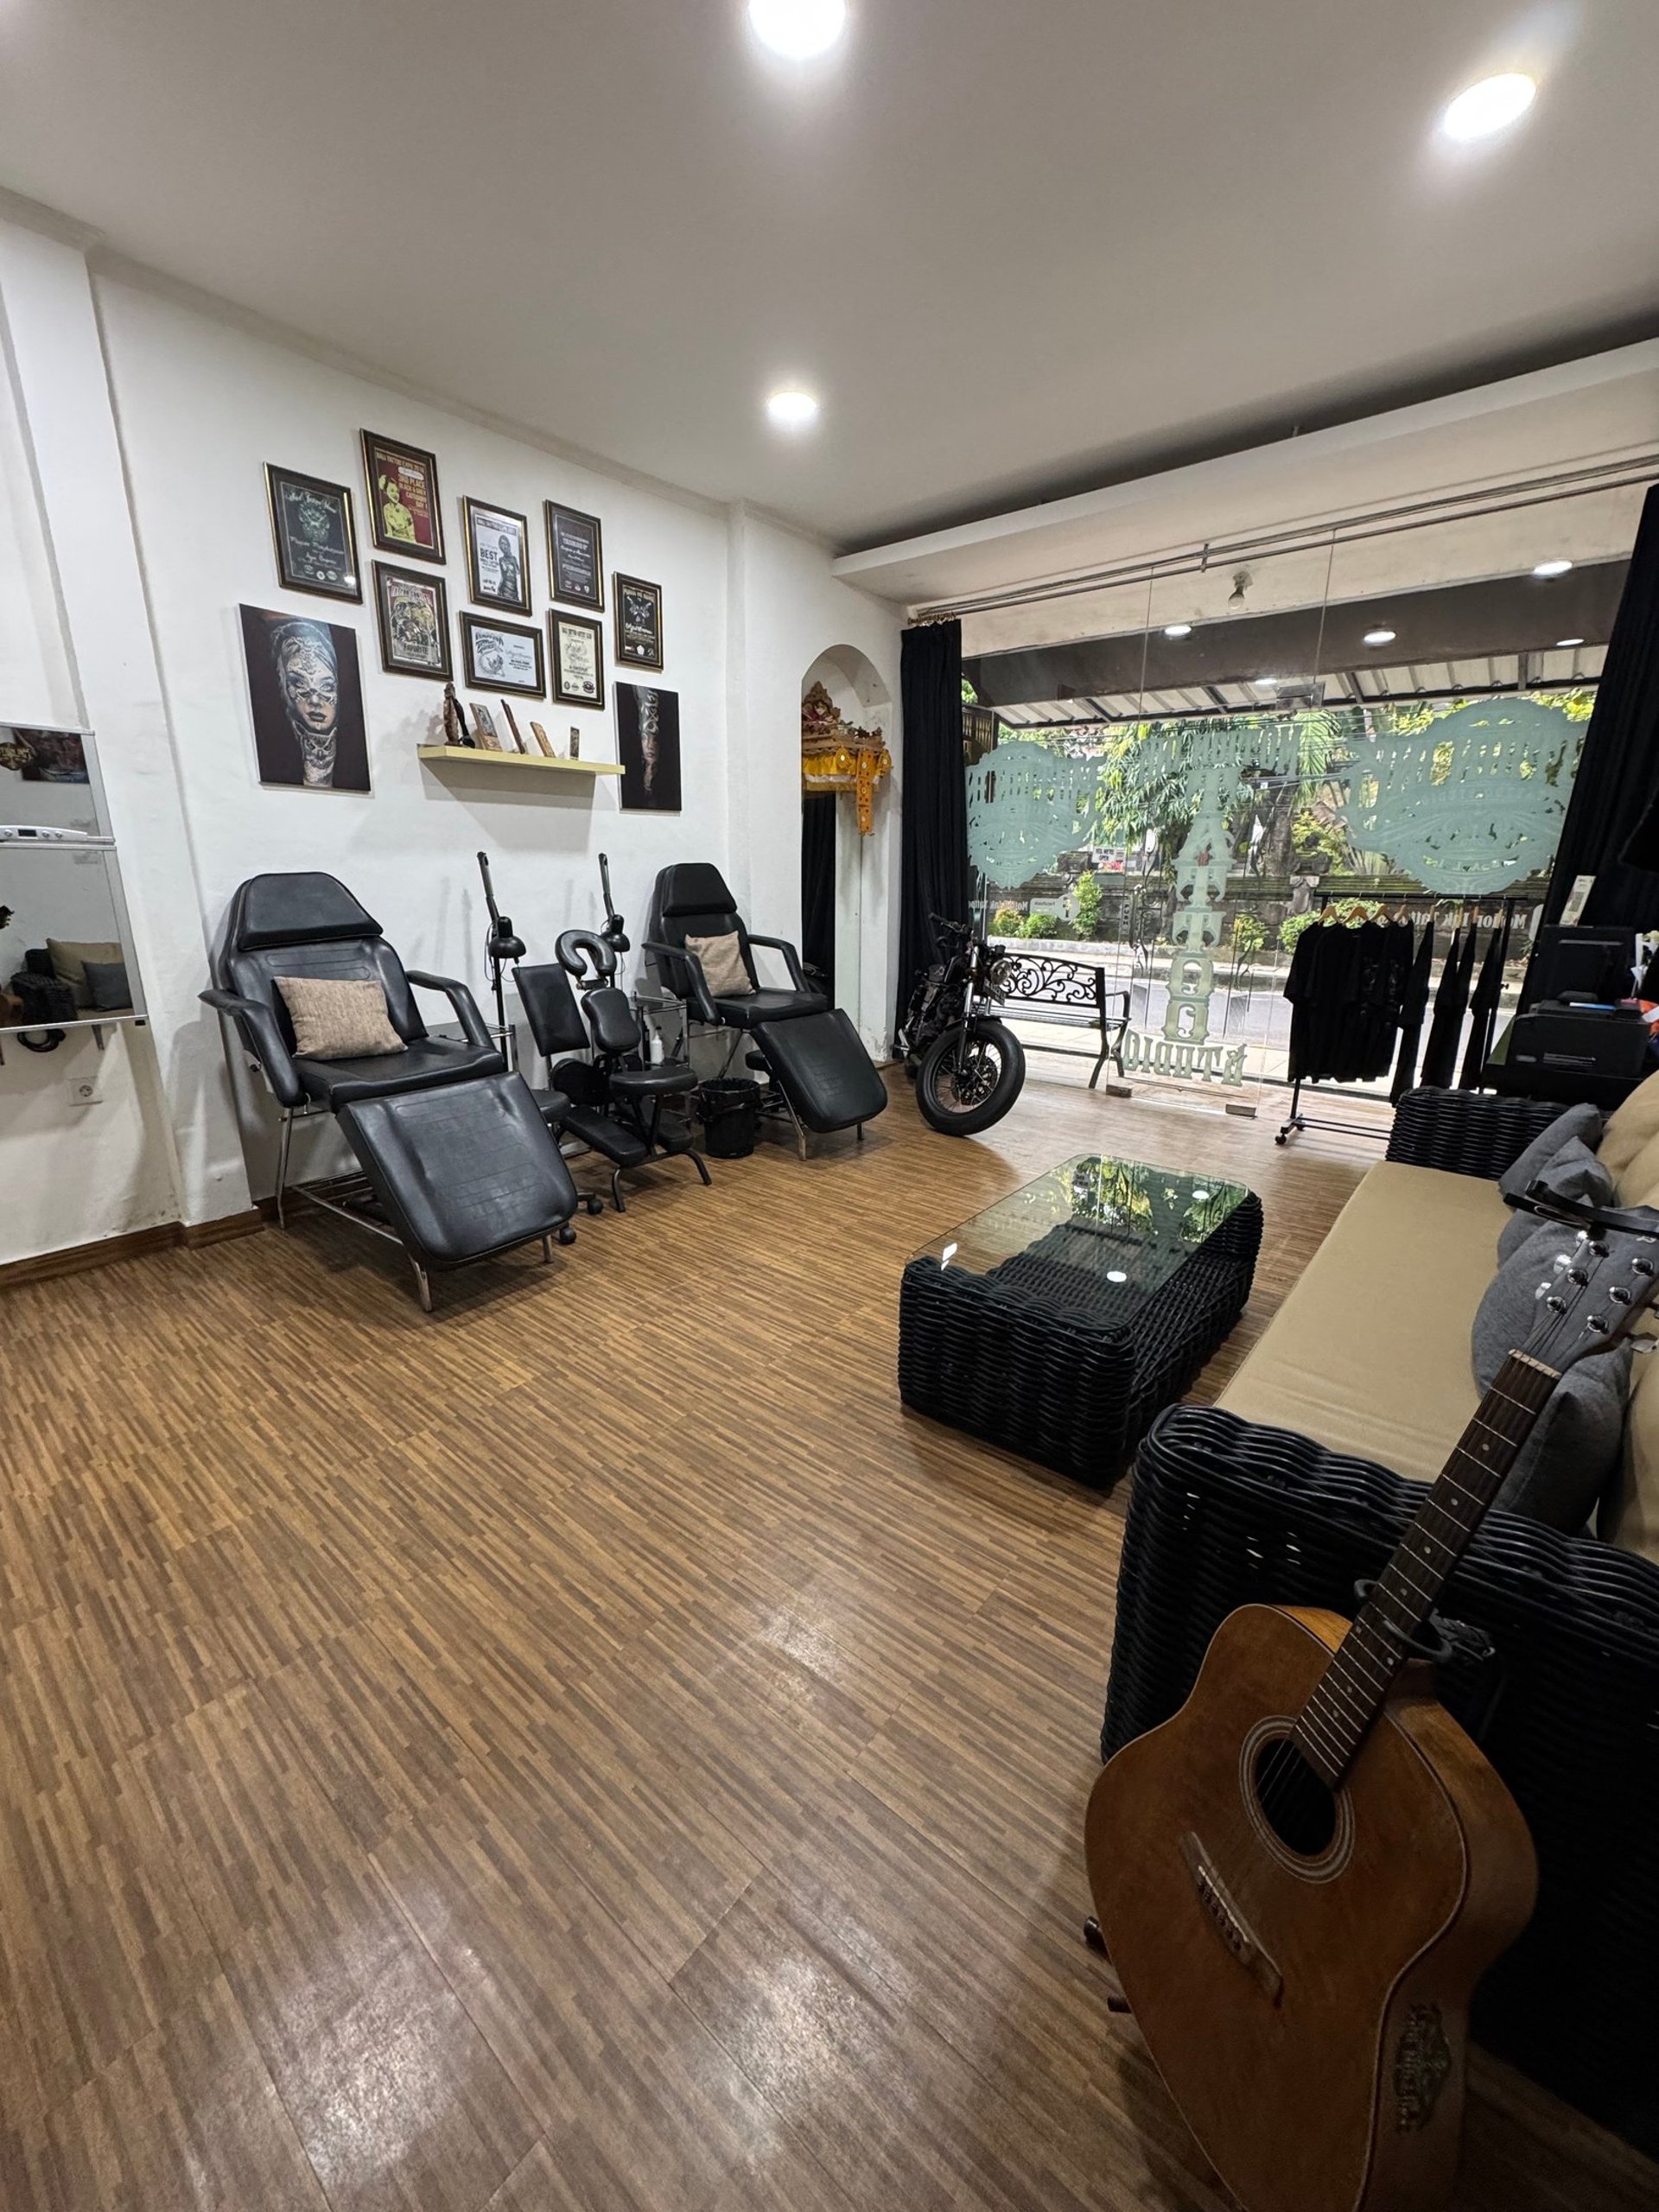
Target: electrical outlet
(86,1089)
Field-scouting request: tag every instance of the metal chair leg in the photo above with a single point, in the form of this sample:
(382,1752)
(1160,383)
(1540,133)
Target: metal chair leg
(425,1283)
(547,1251)
(697,1162)
(616,1190)
(282,1164)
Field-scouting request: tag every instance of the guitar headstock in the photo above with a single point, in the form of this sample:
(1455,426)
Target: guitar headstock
(1604,1279)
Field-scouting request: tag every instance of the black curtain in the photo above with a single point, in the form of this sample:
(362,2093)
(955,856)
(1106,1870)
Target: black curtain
(818,884)
(1612,829)
(933,836)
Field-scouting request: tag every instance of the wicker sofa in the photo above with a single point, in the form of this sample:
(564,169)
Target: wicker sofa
(1273,1496)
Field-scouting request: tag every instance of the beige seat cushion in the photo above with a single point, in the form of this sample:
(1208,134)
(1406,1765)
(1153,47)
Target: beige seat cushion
(1369,1352)
(1630,1513)
(1631,1127)
(339,1018)
(1637,1182)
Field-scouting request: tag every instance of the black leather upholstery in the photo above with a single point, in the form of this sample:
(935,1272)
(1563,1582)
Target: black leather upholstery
(823,1069)
(551,1008)
(335,1083)
(310,925)
(295,909)
(691,900)
(462,1171)
(770,1006)
(669,1080)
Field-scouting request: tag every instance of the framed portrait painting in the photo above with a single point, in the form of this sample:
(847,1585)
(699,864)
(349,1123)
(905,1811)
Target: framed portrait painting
(403,506)
(575,561)
(414,616)
(498,556)
(638,622)
(501,656)
(316,545)
(307,698)
(648,745)
(578,660)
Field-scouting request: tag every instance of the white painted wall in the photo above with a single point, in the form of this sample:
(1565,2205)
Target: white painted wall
(133,525)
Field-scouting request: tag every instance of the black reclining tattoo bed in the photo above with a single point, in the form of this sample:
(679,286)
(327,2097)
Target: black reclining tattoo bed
(818,1074)
(456,1161)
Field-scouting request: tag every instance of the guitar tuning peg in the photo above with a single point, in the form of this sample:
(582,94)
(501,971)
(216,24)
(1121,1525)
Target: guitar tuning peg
(1561,1263)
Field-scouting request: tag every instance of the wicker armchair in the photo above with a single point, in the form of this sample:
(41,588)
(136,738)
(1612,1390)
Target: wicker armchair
(1555,1673)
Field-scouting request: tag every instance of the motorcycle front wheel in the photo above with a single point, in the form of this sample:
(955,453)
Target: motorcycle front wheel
(965,1083)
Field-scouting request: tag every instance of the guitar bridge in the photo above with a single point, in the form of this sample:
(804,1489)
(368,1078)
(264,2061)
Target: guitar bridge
(1229,1922)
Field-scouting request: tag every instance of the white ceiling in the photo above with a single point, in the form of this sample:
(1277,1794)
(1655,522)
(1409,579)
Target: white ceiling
(1016,249)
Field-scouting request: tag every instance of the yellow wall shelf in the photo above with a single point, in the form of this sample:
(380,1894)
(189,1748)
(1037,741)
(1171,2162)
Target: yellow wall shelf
(483,758)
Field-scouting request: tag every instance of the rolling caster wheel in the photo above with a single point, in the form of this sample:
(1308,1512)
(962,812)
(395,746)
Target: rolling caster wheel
(1093,1938)
(565,1233)
(596,1207)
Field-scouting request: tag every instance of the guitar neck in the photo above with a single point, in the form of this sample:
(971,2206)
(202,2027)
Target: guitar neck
(1362,1670)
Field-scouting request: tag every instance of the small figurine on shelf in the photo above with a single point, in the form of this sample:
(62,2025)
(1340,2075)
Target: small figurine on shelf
(455,721)
(575,742)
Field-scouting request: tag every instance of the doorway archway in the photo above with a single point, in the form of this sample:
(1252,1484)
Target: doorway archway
(844,909)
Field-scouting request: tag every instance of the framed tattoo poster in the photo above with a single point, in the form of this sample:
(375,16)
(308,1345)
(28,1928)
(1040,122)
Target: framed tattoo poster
(316,545)
(414,613)
(306,700)
(501,656)
(638,622)
(403,507)
(578,660)
(498,556)
(648,745)
(576,564)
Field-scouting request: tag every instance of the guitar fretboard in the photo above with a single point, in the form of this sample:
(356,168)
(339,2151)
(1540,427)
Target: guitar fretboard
(1362,1670)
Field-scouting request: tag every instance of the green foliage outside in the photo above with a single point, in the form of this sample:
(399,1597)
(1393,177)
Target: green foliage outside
(1249,935)
(1007,921)
(1091,897)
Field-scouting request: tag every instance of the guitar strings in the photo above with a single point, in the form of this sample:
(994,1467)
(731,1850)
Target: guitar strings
(1284,1771)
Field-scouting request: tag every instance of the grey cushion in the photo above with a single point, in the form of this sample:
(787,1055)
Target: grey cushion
(1583,1122)
(1574,1172)
(1573,1452)
(107,984)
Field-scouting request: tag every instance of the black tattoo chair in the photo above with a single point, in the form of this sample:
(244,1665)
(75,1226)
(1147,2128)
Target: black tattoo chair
(613,1101)
(817,1072)
(455,1158)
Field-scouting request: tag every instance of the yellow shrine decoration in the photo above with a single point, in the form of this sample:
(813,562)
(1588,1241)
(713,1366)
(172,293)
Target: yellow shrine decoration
(836,757)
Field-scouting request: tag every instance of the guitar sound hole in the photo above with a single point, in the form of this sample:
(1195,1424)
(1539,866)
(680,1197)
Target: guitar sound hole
(1299,1809)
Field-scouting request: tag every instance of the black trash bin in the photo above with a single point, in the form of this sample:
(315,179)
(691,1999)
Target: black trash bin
(730,1109)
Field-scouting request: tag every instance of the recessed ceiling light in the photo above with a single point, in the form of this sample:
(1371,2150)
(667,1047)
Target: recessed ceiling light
(1380,637)
(1552,568)
(1492,104)
(1178,629)
(1562,645)
(798,28)
(793,409)
(1269,683)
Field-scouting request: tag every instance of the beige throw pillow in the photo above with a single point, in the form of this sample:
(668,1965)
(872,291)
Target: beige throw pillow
(338,1020)
(69,963)
(723,964)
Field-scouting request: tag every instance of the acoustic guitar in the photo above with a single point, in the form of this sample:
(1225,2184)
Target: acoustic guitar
(1299,1878)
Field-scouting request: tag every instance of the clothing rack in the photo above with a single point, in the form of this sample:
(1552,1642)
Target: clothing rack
(1419,912)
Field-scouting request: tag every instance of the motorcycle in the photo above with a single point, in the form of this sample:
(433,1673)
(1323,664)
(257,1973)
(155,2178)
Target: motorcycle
(967,1067)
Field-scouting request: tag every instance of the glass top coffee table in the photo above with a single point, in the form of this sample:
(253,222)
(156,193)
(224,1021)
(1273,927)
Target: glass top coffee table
(1062,1319)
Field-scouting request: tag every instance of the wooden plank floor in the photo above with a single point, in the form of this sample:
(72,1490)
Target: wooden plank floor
(589,1749)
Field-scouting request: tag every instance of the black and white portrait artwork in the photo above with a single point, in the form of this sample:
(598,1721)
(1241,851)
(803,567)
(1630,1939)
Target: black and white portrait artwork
(498,556)
(648,745)
(307,698)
